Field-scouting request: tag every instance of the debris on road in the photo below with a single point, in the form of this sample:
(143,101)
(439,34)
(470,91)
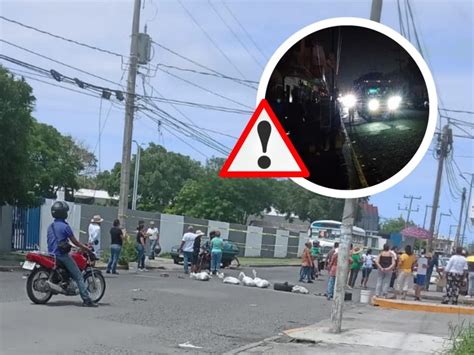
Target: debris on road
(188,345)
(283,287)
(138,299)
(137,290)
(247,281)
(200,276)
(300,289)
(165,275)
(261,283)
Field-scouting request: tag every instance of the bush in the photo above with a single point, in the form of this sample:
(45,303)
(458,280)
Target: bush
(462,339)
(128,254)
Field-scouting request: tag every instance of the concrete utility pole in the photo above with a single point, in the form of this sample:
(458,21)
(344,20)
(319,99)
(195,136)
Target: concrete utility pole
(426,214)
(129,112)
(350,206)
(409,209)
(445,144)
(467,208)
(135,177)
(458,231)
(439,221)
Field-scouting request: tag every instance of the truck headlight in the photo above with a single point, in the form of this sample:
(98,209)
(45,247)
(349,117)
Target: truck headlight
(349,101)
(394,103)
(374,105)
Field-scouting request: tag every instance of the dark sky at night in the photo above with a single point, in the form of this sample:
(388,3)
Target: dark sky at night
(363,51)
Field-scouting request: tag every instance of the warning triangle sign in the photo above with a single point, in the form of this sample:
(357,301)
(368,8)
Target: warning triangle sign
(263,150)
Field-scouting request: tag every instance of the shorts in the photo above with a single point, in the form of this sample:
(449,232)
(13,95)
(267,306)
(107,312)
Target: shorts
(420,280)
(366,272)
(195,259)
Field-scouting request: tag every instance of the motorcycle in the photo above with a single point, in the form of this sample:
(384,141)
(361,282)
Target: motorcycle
(48,277)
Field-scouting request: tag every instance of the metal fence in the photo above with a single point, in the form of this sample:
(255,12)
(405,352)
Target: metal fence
(25,228)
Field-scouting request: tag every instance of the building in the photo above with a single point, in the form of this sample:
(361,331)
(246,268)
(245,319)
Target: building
(274,219)
(95,197)
(443,245)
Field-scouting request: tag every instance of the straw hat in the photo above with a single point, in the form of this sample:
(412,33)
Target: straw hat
(200,233)
(357,250)
(97,219)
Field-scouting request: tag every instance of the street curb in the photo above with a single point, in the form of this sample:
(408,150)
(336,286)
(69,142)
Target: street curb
(422,307)
(271,265)
(252,345)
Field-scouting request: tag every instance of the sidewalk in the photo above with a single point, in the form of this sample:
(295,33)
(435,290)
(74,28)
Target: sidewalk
(367,330)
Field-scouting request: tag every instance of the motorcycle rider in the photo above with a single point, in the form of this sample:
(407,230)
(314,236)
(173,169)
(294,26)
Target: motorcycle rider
(60,233)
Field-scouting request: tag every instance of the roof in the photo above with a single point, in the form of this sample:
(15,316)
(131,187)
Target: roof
(89,193)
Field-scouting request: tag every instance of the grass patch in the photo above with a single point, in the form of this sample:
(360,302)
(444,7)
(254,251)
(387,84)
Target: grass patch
(462,339)
(244,261)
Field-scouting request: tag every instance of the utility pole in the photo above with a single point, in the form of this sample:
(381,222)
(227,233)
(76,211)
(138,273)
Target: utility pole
(409,209)
(426,214)
(450,229)
(439,221)
(350,206)
(467,208)
(458,231)
(135,178)
(445,142)
(129,112)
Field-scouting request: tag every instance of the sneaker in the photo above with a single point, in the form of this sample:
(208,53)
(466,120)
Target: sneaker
(417,299)
(89,303)
(107,272)
(115,273)
(145,270)
(140,269)
(310,282)
(444,302)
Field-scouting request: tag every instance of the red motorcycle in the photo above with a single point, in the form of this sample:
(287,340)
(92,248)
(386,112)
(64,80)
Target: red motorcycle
(49,277)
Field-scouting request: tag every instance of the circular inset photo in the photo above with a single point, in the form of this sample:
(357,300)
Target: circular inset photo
(357,101)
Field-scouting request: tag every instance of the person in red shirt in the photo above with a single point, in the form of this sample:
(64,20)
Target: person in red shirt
(306,263)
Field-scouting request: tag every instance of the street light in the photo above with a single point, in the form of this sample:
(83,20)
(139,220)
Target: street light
(439,222)
(135,179)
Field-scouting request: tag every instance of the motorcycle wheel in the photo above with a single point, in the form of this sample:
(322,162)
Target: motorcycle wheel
(37,279)
(95,284)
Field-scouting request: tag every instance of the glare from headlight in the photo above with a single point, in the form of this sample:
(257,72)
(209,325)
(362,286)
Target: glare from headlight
(349,101)
(374,105)
(394,103)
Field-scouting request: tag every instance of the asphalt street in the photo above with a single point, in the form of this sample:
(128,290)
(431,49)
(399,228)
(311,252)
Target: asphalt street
(154,312)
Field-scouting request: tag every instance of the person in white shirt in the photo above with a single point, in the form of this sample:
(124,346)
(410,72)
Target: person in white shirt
(187,247)
(421,270)
(455,272)
(154,236)
(94,234)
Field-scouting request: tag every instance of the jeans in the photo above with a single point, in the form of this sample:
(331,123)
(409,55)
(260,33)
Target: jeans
(76,275)
(305,273)
(115,250)
(353,277)
(140,256)
(188,257)
(216,258)
(428,278)
(383,282)
(152,248)
(331,284)
(470,292)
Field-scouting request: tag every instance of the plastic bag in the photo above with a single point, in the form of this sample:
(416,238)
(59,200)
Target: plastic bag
(246,281)
(300,289)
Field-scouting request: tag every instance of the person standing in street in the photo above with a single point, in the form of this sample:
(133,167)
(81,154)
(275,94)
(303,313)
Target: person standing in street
(470,270)
(455,271)
(315,252)
(306,263)
(385,264)
(195,265)
(395,269)
(94,234)
(405,274)
(332,268)
(117,237)
(433,262)
(330,254)
(141,244)
(367,266)
(421,270)
(187,244)
(154,236)
(217,247)
(355,266)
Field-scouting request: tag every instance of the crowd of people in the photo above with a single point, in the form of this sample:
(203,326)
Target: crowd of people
(395,270)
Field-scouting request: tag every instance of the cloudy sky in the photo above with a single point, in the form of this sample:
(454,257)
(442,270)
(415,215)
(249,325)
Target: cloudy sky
(445,28)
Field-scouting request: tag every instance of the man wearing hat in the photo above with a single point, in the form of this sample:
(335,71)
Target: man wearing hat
(153,234)
(94,234)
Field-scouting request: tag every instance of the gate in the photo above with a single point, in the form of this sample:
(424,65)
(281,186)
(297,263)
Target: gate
(25,228)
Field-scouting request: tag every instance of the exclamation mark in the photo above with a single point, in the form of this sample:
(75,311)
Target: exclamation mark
(264,129)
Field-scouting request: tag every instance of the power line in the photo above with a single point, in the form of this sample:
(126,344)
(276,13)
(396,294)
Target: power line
(62,38)
(183,141)
(210,39)
(458,111)
(244,29)
(205,89)
(236,36)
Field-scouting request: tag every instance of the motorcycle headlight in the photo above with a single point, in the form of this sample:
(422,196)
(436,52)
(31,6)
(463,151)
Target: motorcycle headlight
(374,105)
(394,103)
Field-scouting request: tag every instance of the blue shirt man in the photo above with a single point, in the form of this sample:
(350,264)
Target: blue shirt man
(62,232)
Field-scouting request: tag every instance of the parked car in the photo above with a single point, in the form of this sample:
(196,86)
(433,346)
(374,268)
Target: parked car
(229,254)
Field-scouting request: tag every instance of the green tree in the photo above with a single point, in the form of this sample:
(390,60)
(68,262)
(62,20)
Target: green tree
(394,225)
(16,126)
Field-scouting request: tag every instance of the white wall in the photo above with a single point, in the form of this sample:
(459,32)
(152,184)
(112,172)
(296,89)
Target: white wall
(303,239)
(222,227)
(171,231)
(281,243)
(253,243)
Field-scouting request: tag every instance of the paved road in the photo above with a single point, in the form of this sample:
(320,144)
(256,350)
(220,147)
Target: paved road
(164,312)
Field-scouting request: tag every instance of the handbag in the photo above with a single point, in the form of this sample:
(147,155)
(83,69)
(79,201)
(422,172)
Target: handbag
(63,245)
